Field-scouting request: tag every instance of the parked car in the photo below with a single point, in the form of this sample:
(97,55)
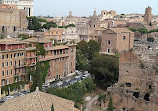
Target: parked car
(8,97)
(79,76)
(21,94)
(72,82)
(68,80)
(2,101)
(59,83)
(45,86)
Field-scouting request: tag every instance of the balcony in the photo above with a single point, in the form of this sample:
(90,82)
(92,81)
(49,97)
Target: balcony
(17,66)
(32,64)
(31,57)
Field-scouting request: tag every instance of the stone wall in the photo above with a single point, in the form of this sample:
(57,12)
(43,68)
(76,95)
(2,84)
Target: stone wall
(137,88)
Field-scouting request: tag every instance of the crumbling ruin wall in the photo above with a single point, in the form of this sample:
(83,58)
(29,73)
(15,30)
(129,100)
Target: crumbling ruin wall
(137,88)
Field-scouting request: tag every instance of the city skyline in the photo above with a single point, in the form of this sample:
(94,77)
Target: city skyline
(86,8)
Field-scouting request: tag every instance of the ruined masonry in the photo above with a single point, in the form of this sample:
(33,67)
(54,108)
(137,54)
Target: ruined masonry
(137,87)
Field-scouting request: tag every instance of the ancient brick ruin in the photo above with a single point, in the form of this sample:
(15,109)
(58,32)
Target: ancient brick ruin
(137,88)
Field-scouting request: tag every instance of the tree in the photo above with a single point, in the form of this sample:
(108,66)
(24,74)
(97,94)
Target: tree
(110,105)
(93,47)
(105,69)
(132,29)
(143,30)
(70,25)
(48,25)
(52,108)
(150,39)
(83,47)
(34,23)
(81,61)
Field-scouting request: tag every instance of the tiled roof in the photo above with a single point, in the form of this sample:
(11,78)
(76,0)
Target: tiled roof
(40,40)
(37,101)
(11,41)
(56,29)
(56,47)
(121,30)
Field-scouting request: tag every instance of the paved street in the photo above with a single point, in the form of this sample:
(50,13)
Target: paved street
(68,81)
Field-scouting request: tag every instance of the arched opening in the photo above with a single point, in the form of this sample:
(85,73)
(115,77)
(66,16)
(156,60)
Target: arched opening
(128,84)
(136,94)
(146,97)
(3,31)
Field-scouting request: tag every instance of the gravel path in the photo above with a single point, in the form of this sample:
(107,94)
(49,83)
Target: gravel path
(89,104)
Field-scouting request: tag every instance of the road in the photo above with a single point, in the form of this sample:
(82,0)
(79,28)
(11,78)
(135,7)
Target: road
(65,83)
(89,104)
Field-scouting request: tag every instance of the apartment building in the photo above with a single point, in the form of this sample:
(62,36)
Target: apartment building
(61,58)
(14,56)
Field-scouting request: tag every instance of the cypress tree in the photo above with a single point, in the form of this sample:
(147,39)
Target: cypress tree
(110,105)
(52,108)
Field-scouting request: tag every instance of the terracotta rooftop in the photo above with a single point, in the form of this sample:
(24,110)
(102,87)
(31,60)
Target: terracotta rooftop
(38,101)
(121,30)
(11,41)
(56,47)
(40,40)
(57,29)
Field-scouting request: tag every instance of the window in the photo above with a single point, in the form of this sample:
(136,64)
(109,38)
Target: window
(7,72)
(51,51)
(109,42)
(2,56)
(15,63)
(7,63)
(11,55)
(109,50)
(14,55)
(2,64)
(7,56)
(11,63)
(19,62)
(124,37)
(11,71)
(3,74)
(71,64)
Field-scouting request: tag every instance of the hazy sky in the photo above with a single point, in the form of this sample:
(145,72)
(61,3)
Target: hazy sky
(86,7)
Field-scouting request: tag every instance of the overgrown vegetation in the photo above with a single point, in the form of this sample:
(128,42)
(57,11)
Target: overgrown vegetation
(70,25)
(39,75)
(41,69)
(110,105)
(40,50)
(150,39)
(105,68)
(74,92)
(102,97)
(143,30)
(35,23)
(13,86)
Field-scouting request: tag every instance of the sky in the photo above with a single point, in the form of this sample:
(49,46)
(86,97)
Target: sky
(86,7)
